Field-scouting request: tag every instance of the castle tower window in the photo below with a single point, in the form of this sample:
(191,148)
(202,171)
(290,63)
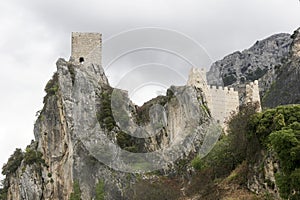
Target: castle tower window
(86,47)
(81,59)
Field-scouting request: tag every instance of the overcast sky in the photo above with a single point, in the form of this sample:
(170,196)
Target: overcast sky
(35,33)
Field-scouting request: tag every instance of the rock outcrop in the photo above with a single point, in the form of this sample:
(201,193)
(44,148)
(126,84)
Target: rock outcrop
(285,88)
(257,62)
(80,140)
(261,179)
(274,61)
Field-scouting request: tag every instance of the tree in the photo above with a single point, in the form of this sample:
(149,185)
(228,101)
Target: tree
(278,130)
(238,135)
(286,143)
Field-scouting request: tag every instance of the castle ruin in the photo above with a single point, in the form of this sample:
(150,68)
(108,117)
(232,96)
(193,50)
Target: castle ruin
(86,47)
(222,101)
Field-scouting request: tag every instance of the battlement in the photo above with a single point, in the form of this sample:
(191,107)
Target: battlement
(252,84)
(220,88)
(86,48)
(222,101)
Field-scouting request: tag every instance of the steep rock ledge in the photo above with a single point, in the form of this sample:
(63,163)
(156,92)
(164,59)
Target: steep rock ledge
(68,127)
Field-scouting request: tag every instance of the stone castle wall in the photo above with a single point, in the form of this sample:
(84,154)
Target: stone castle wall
(222,102)
(86,47)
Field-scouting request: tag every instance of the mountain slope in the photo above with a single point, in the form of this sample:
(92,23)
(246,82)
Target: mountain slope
(286,88)
(250,64)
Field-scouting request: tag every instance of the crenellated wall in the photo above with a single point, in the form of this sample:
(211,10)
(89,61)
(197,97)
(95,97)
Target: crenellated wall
(222,101)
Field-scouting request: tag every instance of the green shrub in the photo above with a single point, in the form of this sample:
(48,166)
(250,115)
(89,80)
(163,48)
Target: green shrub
(100,190)
(231,150)
(104,114)
(33,157)
(197,163)
(263,124)
(127,142)
(3,193)
(76,194)
(228,80)
(278,129)
(252,76)
(286,143)
(221,158)
(51,87)
(13,162)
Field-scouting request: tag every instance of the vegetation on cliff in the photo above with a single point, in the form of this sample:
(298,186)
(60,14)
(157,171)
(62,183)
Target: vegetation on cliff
(228,165)
(279,131)
(51,87)
(274,131)
(21,159)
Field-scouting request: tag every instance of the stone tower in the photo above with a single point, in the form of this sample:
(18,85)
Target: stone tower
(86,47)
(252,93)
(197,78)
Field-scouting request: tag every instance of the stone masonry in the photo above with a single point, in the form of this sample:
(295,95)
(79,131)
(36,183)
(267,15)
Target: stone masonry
(222,102)
(252,93)
(86,47)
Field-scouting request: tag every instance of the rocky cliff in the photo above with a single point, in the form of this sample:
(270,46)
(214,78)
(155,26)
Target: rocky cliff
(250,64)
(273,61)
(285,88)
(82,140)
(258,62)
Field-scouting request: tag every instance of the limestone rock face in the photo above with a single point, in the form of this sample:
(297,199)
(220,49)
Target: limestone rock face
(31,182)
(295,48)
(74,121)
(250,64)
(274,62)
(262,179)
(285,88)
